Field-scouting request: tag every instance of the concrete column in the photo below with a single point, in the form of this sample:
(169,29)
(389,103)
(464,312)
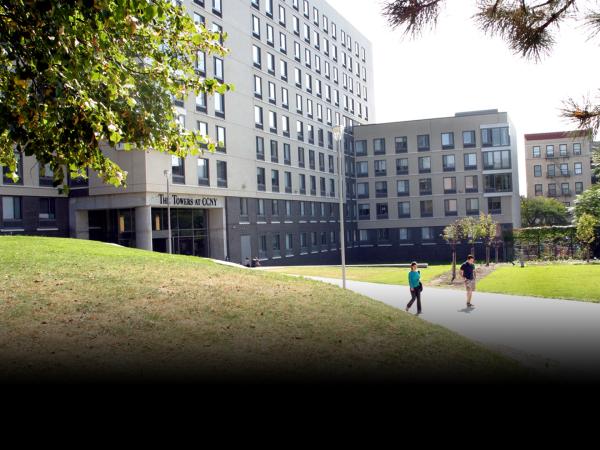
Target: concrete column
(217,233)
(82,225)
(143,227)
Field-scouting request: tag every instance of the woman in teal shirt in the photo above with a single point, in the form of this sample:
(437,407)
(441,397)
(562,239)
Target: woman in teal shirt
(414,282)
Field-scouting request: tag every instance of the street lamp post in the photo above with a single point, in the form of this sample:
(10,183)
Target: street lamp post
(337,135)
(169,241)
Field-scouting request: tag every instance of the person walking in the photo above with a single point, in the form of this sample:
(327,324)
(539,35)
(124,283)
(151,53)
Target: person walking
(467,271)
(414,282)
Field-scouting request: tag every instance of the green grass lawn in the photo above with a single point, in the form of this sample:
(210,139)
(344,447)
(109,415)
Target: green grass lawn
(384,275)
(73,309)
(568,281)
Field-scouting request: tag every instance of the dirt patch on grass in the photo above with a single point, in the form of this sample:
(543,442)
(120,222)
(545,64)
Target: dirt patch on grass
(445,280)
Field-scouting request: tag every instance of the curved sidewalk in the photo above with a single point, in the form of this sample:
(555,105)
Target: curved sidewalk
(561,337)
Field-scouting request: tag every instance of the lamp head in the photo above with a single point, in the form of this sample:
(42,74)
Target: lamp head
(337,132)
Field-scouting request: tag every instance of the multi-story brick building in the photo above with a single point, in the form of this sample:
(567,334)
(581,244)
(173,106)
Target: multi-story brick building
(558,164)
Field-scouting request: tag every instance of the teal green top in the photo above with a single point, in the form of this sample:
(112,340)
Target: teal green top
(413,279)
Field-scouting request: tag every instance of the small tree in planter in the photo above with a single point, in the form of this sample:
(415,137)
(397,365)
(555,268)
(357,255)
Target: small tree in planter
(586,232)
(452,235)
(470,231)
(488,229)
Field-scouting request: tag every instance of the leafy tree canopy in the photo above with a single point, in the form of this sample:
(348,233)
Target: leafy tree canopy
(530,28)
(78,74)
(541,211)
(588,202)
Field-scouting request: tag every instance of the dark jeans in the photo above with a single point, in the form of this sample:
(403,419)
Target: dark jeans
(415,295)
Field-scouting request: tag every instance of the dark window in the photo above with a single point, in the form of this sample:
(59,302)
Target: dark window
(401,144)
(47,209)
(260,148)
(494,205)
(423,142)
(427,208)
(178,169)
(203,172)
(425,186)
(221,174)
(501,182)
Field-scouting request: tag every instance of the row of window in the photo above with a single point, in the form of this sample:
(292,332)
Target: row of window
(490,137)
(46,175)
(472,207)
(325,189)
(493,160)
(309,83)
(12,210)
(563,150)
(471,185)
(564,190)
(319,65)
(287,156)
(303,242)
(288,209)
(203,171)
(558,170)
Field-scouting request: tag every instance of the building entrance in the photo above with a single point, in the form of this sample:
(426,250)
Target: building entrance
(189,231)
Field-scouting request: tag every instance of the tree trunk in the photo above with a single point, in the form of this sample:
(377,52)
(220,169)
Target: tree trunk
(453,263)
(487,255)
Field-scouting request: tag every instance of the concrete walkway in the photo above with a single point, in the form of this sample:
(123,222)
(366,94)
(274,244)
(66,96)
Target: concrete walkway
(561,337)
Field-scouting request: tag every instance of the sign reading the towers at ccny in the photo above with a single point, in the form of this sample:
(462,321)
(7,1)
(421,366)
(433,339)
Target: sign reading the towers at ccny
(188,201)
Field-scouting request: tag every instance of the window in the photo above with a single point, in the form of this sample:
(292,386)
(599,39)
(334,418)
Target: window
(402,166)
(450,207)
(269,8)
(178,170)
(260,148)
(495,160)
(257,86)
(564,189)
(221,141)
(273,121)
(287,178)
(495,137)
(578,187)
(260,178)
(289,244)
(203,173)
(302,179)
(382,210)
(381,189)
(221,174)
(47,209)
(284,98)
(380,168)
(425,186)
(219,104)
(217,7)
(472,206)
(470,161)
(564,169)
(403,188)
(469,139)
(551,171)
(360,148)
(562,149)
(401,144)
(471,183)
(450,185)
(200,65)
(577,149)
(449,163)
(260,208)
(275,208)
(282,43)
(423,142)
(537,152)
(255,26)
(538,190)
(262,247)
(362,169)
(11,208)
(258,117)
(46,175)
(282,15)
(426,208)
(287,154)
(552,190)
(364,211)
(578,168)
(362,190)
(274,151)
(270,63)
(313,185)
(494,205)
(301,157)
(256,58)
(276,245)
(425,164)
(244,208)
(379,146)
(270,36)
(549,151)
(447,140)
(274,180)
(501,182)
(537,170)
(403,210)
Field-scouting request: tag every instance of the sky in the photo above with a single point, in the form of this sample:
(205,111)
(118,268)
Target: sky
(456,67)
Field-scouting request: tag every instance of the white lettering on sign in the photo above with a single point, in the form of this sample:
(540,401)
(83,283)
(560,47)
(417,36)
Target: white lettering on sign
(177,200)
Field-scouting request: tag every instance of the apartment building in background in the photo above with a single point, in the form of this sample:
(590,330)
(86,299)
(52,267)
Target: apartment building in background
(413,178)
(271,188)
(558,164)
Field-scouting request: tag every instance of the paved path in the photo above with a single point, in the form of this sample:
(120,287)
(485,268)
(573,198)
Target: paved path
(560,336)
